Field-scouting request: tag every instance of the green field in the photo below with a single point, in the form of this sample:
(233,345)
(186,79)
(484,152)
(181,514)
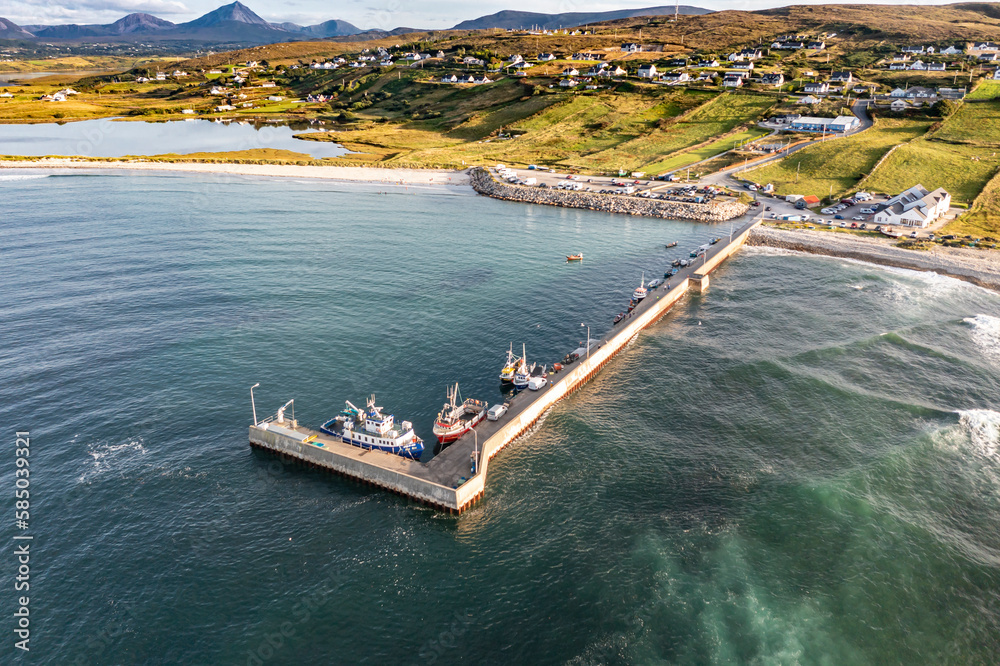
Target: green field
(976,124)
(961,169)
(983,218)
(837,163)
(681,160)
(652,149)
(559,129)
(987,89)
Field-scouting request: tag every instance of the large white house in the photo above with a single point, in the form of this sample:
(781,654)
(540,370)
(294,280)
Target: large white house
(916,207)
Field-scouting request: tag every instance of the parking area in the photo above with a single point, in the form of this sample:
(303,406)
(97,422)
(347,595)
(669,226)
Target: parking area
(621,185)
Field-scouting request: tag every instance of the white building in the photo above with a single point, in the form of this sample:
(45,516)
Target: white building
(916,207)
(647,72)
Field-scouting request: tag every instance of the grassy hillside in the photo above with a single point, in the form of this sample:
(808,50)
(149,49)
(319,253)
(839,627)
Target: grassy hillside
(983,218)
(838,163)
(961,169)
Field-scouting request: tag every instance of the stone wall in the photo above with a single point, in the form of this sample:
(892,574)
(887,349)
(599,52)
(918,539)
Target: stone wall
(715,211)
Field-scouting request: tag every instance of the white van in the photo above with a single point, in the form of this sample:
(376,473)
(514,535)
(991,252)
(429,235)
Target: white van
(496,411)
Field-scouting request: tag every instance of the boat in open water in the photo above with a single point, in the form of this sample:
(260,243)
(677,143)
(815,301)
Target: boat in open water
(458,417)
(575,257)
(369,428)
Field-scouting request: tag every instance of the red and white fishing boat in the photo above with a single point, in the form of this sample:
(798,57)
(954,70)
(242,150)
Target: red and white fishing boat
(457,418)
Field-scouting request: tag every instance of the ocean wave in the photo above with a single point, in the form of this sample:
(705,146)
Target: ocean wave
(22,176)
(985,333)
(112,458)
(983,429)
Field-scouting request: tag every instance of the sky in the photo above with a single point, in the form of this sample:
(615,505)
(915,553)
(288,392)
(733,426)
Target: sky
(382,14)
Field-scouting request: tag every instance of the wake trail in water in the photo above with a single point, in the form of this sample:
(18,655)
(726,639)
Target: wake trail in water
(22,176)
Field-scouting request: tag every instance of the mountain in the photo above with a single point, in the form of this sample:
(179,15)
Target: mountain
(10,30)
(139,23)
(234,13)
(511,19)
(332,28)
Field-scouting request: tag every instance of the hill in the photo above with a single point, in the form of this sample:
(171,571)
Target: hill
(10,30)
(509,20)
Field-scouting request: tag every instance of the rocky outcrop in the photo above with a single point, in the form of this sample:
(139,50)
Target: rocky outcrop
(979,267)
(714,211)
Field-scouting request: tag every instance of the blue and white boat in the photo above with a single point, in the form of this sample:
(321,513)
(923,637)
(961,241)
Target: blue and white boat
(369,428)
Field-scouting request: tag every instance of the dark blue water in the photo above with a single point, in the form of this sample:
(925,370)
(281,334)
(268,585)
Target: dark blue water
(119,138)
(799,467)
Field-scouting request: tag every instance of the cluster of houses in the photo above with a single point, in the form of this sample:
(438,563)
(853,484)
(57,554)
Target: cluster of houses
(60,96)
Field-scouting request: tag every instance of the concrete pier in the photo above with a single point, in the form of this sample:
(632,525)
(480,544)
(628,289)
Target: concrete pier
(447,481)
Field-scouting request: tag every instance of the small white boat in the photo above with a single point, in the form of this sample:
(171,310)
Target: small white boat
(640,292)
(523,373)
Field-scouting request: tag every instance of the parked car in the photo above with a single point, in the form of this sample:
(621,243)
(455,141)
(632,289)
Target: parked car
(838,217)
(867,211)
(859,218)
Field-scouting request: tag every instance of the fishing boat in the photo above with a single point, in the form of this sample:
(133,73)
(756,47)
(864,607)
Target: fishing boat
(677,262)
(523,373)
(670,245)
(458,417)
(640,291)
(887,231)
(369,428)
(510,367)
(618,317)
(575,257)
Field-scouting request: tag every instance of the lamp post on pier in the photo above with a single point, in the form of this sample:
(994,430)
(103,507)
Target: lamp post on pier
(588,339)
(253,404)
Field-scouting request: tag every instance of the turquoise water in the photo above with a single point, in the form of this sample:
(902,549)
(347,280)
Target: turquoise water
(117,138)
(799,467)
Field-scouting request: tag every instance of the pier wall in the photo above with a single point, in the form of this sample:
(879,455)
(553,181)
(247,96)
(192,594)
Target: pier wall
(441,483)
(377,471)
(716,211)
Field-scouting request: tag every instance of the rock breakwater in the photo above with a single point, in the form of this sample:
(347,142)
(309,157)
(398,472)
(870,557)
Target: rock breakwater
(714,211)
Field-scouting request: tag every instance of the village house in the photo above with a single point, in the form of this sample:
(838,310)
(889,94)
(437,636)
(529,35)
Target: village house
(161,76)
(470,60)
(732,81)
(676,77)
(936,67)
(743,75)
(142,79)
(545,57)
(899,105)
(480,80)
(678,62)
(449,78)
(773,79)
(216,90)
(514,59)
(569,83)
(916,207)
(225,107)
(187,112)
(612,71)
(268,84)
(817,88)
(746,65)
(816,46)
(570,71)
(708,63)
(275,98)
(913,49)
(898,66)
(950,50)
(841,77)
(918,65)
(809,99)
(647,72)
(631,48)
(178,74)
(951,93)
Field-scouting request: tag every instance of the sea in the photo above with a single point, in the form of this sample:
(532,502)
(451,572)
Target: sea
(799,466)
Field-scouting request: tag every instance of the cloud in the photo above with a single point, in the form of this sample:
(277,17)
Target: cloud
(87,11)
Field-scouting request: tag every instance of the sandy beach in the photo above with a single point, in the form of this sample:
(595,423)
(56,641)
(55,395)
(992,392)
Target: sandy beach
(354,174)
(980,267)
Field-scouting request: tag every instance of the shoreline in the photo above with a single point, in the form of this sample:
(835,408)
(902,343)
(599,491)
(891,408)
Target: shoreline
(341,173)
(981,268)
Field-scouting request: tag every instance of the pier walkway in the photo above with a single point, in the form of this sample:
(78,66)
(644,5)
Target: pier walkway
(450,481)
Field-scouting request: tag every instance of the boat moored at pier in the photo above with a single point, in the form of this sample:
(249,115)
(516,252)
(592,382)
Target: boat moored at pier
(640,292)
(458,417)
(369,428)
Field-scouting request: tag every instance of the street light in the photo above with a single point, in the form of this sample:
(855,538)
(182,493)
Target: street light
(588,339)
(252,404)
